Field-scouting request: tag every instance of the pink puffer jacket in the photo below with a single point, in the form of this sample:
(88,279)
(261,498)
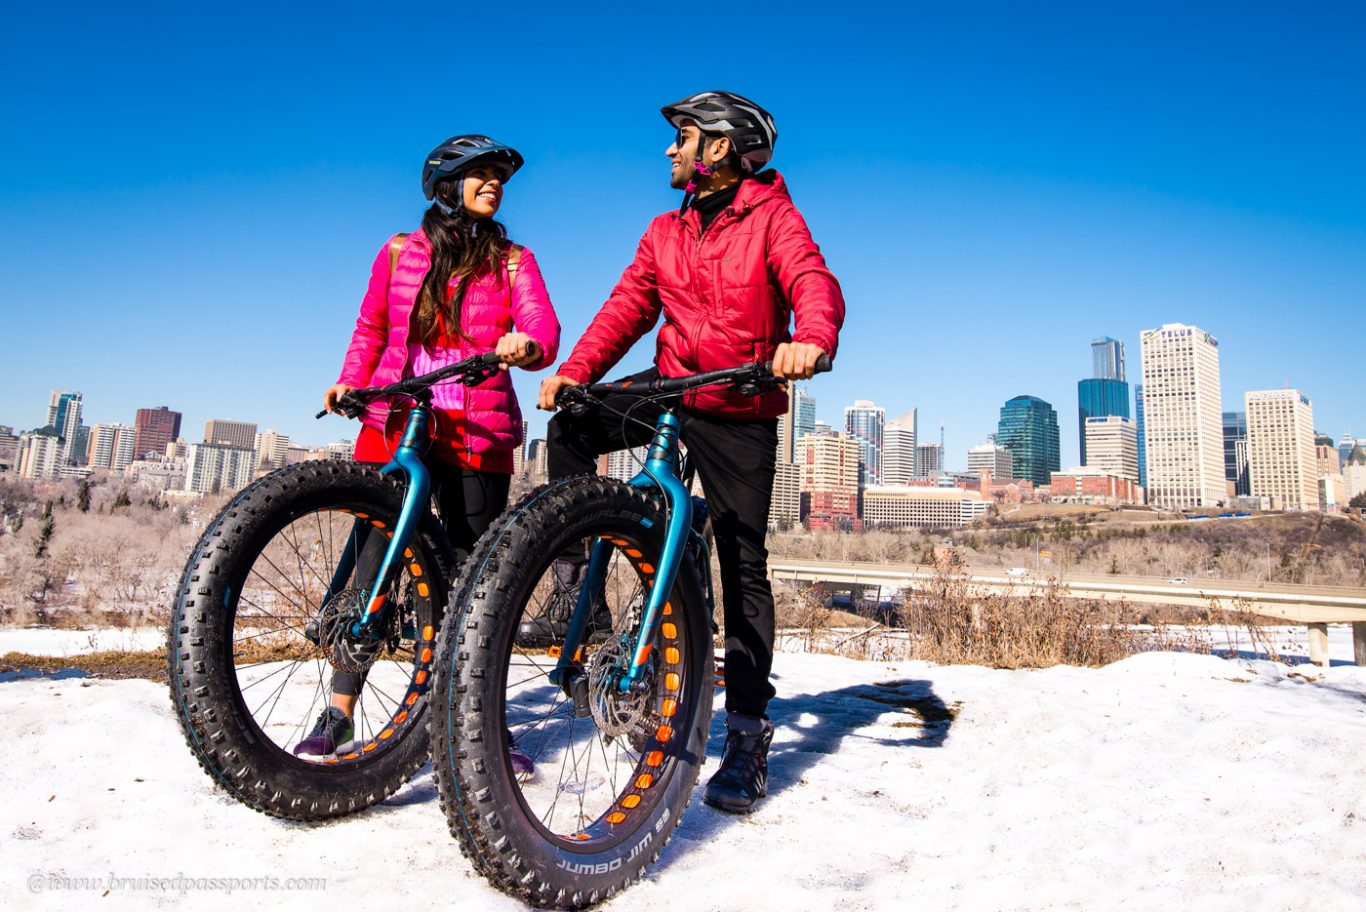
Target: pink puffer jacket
(378,353)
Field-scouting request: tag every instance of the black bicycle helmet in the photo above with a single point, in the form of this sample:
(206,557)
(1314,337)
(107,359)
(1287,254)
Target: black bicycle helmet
(460,153)
(749,127)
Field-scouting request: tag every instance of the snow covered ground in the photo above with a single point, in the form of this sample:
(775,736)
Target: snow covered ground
(1166,781)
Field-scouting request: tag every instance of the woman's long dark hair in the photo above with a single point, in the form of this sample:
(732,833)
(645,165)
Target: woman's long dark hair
(461,245)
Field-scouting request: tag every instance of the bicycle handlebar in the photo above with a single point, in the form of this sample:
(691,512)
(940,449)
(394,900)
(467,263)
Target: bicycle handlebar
(472,370)
(756,375)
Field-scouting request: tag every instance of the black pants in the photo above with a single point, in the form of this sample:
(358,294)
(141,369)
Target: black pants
(468,501)
(735,460)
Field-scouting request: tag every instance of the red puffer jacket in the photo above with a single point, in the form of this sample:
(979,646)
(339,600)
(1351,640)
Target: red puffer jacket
(727,295)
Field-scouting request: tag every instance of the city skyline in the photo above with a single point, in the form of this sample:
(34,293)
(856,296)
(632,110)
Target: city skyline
(1037,173)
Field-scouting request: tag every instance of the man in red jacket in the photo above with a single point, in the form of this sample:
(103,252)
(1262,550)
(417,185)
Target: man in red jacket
(729,271)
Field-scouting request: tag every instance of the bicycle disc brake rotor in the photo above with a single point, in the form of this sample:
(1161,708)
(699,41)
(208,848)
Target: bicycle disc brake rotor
(345,652)
(617,713)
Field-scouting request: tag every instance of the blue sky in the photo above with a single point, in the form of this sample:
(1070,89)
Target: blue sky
(190,201)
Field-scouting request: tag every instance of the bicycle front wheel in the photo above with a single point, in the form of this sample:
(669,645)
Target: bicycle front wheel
(565,809)
(258,640)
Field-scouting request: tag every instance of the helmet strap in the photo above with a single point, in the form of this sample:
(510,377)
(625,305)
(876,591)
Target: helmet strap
(699,170)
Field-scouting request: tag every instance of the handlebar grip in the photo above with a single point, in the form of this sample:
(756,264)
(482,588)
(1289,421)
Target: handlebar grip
(825,364)
(322,414)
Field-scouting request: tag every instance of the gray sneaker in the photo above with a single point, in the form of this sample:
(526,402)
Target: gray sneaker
(743,777)
(333,733)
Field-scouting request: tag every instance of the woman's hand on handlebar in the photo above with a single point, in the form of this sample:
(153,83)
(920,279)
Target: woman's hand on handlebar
(796,360)
(517,349)
(551,388)
(334,393)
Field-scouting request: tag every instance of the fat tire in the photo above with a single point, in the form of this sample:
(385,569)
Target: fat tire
(203,688)
(478,796)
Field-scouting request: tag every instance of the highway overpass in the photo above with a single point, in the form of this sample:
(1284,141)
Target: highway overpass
(1314,606)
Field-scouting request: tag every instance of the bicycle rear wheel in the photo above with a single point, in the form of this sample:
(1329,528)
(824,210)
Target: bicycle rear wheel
(608,788)
(257,638)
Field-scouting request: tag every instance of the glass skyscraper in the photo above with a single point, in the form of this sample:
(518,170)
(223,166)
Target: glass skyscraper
(1029,429)
(863,421)
(1142,447)
(1099,397)
(1235,451)
(1107,360)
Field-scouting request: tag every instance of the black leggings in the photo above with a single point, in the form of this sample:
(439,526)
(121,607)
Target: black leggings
(468,501)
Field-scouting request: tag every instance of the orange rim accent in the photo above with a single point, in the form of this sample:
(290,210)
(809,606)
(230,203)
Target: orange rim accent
(632,552)
(426,656)
(672,680)
(332,760)
(555,651)
(408,553)
(428,632)
(416,569)
(664,733)
(630,801)
(645,781)
(351,756)
(654,758)
(671,655)
(386,734)
(669,708)
(668,609)
(616,817)
(398,719)
(647,568)
(423,590)
(645,654)
(412,698)
(670,630)
(369,747)
(376,523)
(359,515)
(420,677)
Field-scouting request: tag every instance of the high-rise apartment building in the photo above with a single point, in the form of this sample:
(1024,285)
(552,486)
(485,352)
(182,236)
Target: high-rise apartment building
(864,422)
(785,506)
(1107,360)
(1326,456)
(1235,451)
(1183,426)
(929,460)
(991,457)
(64,417)
(212,467)
(155,428)
(9,449)
(40,454)
(111,447)
(272,449)
(624,465)
(1142,446)
(829,467)
(898,449)
(240,434)
(1280,448)
(1112,446)
(1029,429)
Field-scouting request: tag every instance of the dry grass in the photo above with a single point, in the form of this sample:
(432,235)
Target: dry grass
(150,665)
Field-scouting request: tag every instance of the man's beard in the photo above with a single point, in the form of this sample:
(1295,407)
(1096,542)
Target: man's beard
(685,174)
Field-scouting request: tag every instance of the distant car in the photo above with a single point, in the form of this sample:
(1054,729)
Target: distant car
(1017,571)
(1177,581)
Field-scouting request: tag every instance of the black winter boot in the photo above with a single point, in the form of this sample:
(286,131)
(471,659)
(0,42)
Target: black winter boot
(743,777)
(549,627)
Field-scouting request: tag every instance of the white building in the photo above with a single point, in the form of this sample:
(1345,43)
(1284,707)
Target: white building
(990,457)
(924,507)
(1183,418)
(624,465)
(898,449)
(40,455)
(272,449)
(1354,470)
(1281,463)
(1112,446)
(111,447)
(164,473)
(213,467)
(785,509)
(929,460)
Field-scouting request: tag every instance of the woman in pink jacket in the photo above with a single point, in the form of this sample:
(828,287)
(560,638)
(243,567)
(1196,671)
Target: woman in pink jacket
(455,287)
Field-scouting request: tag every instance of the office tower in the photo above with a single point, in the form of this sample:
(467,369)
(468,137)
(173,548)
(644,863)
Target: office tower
(797,421)
(64,417)
(829,468)
(1029,429)
(1280,448)
(1142,446)
(864,422)
(785,506)
(215,467)
(1354,470)
(991,457)
(624,465)
(240,434)
(1346,443)
(929,460)
(1326,456)
(1112,446)
(111,447)
(1099,398)
(898,450)
(154,429)
(1183,427)
(1107,360)
(1235,450)
(9,449)
(271,449)
(893,506)
(537,459)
